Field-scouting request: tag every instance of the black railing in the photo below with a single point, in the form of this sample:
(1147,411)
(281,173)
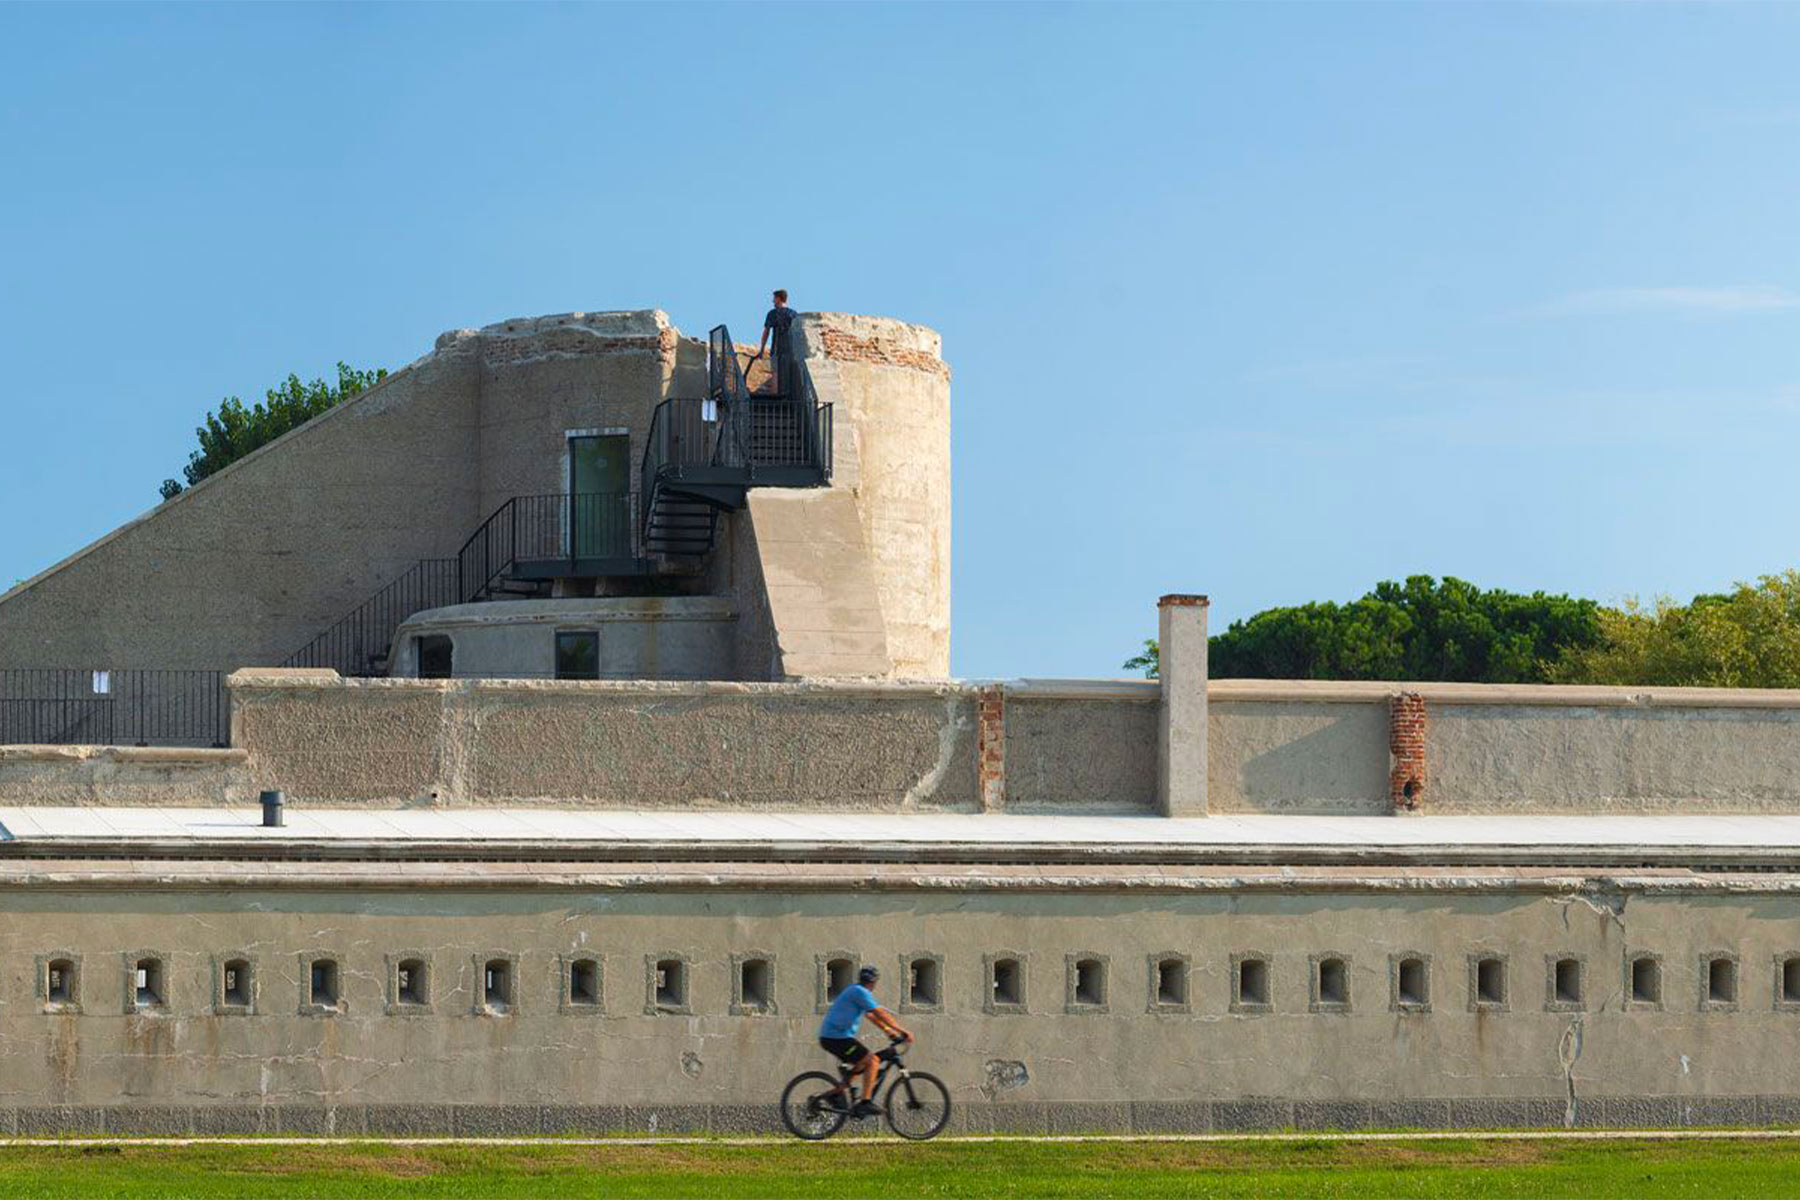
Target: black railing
(358,644)
(134,707)
(535,529)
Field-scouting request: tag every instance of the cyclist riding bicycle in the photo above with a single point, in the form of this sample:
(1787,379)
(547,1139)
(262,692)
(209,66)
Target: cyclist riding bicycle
(837,1034)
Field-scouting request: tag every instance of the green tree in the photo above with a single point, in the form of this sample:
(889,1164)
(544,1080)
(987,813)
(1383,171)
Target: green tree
(1747,637)
(1422,629)
(235,430)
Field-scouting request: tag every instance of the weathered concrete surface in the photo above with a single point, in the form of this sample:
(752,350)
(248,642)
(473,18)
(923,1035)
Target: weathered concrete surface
(1080,747)
(822,598)
(450,742)
(1528,1055)
(120,775)
(1296,755)
(890,390)
(640,637)
(1642,758)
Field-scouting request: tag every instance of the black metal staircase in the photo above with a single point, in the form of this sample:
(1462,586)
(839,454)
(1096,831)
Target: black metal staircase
(701,457)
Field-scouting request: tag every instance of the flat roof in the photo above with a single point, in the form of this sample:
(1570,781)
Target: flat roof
(1773,839)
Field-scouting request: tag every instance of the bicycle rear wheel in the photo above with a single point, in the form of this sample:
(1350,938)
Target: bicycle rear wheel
(804,1110)
(918,1106)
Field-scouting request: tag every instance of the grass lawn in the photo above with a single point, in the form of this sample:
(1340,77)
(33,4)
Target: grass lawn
(1365,1170)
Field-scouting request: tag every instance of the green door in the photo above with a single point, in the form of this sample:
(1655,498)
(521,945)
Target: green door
(600,499)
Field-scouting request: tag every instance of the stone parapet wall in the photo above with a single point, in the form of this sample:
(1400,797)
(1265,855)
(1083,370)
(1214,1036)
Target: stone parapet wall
(1028,746)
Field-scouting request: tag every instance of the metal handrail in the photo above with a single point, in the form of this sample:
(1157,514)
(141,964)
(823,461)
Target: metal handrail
(113,707)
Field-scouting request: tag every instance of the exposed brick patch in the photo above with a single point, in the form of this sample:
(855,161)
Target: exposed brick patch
(1181,600)
(572,343)
(1406,751)
(990,766)
(846,347)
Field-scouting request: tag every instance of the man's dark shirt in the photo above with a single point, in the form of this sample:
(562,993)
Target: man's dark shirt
(778,321)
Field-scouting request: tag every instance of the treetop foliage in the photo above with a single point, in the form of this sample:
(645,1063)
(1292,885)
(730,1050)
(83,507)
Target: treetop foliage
(1450,630)
(235,430)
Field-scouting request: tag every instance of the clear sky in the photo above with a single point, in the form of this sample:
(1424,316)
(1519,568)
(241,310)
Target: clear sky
(1267,301)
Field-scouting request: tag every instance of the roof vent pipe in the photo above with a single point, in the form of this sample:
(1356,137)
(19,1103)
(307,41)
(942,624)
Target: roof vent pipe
(271,806)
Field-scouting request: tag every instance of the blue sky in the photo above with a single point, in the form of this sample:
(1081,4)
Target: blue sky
(1266,301)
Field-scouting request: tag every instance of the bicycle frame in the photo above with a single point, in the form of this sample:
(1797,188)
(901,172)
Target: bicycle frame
(890,1065)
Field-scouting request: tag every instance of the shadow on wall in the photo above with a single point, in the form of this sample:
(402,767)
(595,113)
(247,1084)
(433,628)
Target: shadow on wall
(1300,758)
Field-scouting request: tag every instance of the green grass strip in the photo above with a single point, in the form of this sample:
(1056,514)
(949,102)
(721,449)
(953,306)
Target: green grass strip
(1487,1169)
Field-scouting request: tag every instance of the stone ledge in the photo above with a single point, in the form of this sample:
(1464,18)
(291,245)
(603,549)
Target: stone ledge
(166,756)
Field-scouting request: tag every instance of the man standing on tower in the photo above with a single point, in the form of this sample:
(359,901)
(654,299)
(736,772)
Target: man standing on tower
(778,322)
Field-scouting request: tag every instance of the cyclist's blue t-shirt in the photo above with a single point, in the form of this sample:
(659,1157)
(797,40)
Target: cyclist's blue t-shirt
(846,1012)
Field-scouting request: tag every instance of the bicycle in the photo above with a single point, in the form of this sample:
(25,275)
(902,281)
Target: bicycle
(917,1106)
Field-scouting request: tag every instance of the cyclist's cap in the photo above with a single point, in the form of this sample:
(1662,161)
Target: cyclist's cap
(867,975)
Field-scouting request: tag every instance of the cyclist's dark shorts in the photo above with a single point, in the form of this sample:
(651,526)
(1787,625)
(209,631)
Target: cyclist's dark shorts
(847,1049)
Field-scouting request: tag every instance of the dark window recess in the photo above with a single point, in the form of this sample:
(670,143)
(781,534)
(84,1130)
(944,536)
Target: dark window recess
(840,973)
(236,982)
(1253,981)
(671,983)
(1646,988)
(1413,984)
(59,983)
(1721,981)
(411,982)
(1171,981)
(584,982)
(1334,982)
(1790,980)
(437,656)
(578,656)
(922,981)
(1490,981)
(496,985)
(322,983)
(1008,982)
(1090,981)
(756,983)
(1567,983)
(148,983)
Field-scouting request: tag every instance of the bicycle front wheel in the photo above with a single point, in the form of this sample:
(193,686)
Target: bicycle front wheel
(804,1109)
(918,1106)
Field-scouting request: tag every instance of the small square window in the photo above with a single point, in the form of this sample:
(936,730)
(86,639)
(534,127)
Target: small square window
(1487,983)
(1085,989)
(496,978)
(1330,983)
(582,976)
(1643,982)
(436,655)
(577,655)
(1565,983)
(1411,975)
(234,985)
(921,982)
(666,985)
(1167,979)
(146,989)
(59,982)
(753,985)
(1252,990)
(836,970)
(1005,974)
(1719,981)
(1787,981)
(409,983)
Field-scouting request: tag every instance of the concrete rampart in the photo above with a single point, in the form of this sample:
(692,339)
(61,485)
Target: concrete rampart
(568,1008)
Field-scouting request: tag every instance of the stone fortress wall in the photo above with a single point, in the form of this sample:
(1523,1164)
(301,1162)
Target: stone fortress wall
(550,999)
